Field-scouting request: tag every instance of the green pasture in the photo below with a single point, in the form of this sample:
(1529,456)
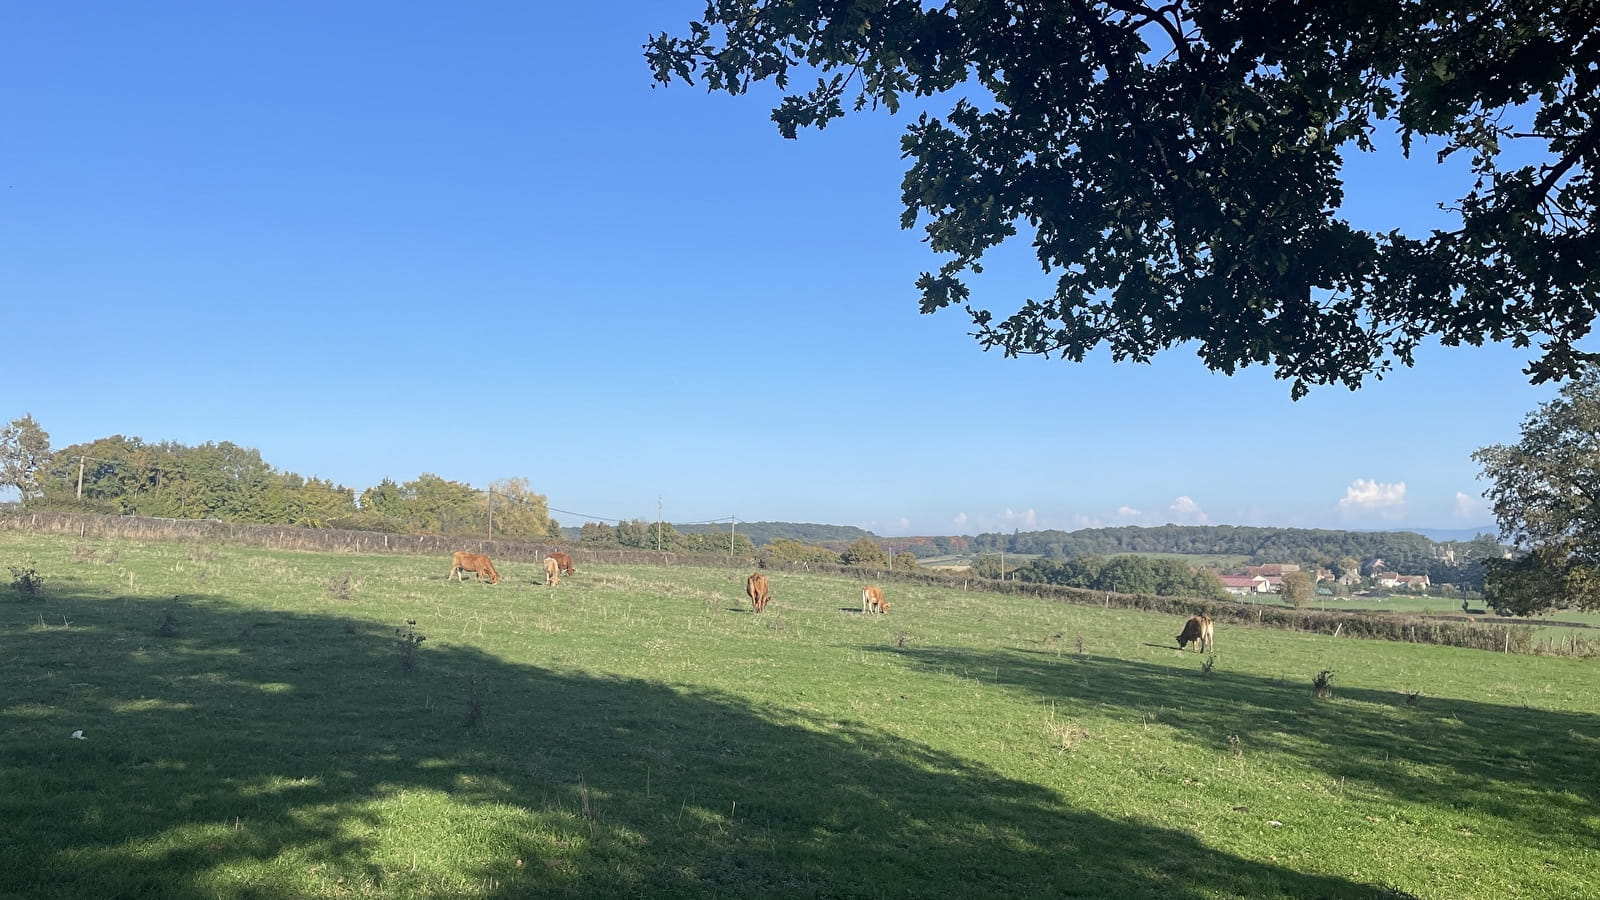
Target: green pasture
(257,725)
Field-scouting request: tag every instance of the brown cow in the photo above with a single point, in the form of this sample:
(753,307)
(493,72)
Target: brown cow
(552,572)
(476,563)
(872,600)
(564,561)
(1198,632)
(756,587)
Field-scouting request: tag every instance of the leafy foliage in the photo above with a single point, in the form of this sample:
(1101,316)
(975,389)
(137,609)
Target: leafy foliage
(866,552)
(128,476)
(24,450)
(1179,167)
(1546,496)
(791,551)
(1126,574)
(1298,589)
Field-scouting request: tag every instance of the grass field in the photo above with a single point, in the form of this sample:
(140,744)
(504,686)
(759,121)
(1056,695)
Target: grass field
(256,725)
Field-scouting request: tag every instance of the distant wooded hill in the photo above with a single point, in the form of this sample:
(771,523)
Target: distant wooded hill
(761,533)
(1405,552)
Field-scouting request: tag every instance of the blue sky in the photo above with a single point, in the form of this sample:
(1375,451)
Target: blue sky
(376,240)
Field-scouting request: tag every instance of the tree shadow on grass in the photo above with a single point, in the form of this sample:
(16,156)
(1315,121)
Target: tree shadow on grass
(259,754)
(1519,764)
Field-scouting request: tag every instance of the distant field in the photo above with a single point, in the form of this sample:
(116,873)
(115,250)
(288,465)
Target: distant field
(251,729)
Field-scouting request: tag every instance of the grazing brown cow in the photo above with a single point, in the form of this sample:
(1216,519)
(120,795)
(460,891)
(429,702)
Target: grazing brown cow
(872,600)
(564,561)
(476,563)
(1198,632)
(552,572)
(756,587)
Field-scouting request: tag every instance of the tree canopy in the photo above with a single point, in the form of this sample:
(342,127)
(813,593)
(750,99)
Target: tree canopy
(24,451)
(1545,490)
(1179,167)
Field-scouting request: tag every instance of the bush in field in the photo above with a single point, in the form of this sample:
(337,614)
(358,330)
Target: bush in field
(866,552)
(26,581)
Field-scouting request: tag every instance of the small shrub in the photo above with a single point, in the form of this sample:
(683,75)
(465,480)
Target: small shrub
(202,555)
(26,581)
(1079,641)
(406,643)
(342,587)
(168,626)
(1322,685)
(1234,747)
(900,638)
(1210,664)
(1069,735)
(1411,697)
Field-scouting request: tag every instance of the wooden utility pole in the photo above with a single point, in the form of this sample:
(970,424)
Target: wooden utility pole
(658,523)
(490,492)
(732,521)
(80,478)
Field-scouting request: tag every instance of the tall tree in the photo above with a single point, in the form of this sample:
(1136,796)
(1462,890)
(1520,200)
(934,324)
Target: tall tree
(24,452)
(866,552)
(1545,490)
(519,512)
(1298,589)
(1179,166)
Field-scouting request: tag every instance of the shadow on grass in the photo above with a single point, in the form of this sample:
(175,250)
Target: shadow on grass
(249,754)
(1513,762)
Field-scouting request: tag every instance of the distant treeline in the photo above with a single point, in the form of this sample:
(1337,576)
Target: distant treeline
(1405,552)
(126,476)
(762,533)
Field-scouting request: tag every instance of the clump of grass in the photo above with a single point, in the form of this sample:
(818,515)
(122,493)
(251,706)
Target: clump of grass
(406,644)
(26,581)
(202,555)
(168,626)
(1210,664)
(1412,698)
(587,806)
(477,700)
(1322,684)
(1234,747)
(82,553)
(1068,735)
(1079,641)
(342,587)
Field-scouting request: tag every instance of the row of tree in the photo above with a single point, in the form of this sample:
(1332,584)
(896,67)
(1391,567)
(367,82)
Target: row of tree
(120,475)
(1128,574)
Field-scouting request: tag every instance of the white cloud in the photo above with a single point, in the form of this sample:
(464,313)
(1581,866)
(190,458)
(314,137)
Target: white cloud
(1468,506)
(1369,495)
(1079,520)
(904,524)
(961,523)
(1025,519)
(1128,512)
(1187,512)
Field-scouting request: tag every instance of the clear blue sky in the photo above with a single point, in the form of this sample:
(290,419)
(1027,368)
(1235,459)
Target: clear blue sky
(375,240)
